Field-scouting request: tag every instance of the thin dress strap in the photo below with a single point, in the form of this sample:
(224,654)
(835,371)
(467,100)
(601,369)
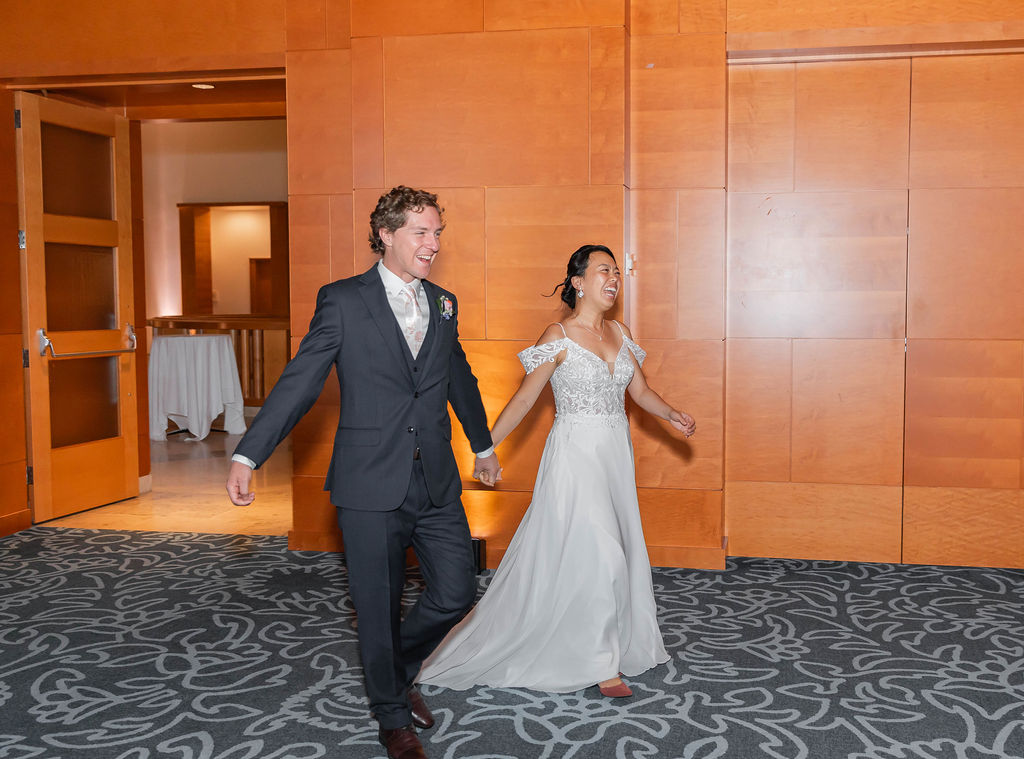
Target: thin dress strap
(639,353)
(563,329)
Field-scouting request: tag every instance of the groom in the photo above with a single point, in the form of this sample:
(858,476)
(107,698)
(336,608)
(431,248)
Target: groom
(393,338)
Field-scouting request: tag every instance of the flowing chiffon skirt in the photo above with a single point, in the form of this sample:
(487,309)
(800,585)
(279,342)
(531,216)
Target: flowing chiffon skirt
(571,603)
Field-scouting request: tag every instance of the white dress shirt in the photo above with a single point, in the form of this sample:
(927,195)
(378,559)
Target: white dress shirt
(393,285)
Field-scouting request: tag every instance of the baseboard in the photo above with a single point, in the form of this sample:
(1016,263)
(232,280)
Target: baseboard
(683,557)
(689,557)
(299,540)
(146,484)
(16,522)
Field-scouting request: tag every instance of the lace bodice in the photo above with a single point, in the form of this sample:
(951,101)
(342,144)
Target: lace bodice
(582,383)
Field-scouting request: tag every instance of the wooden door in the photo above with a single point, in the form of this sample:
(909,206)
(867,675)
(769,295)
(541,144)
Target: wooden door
(76,278)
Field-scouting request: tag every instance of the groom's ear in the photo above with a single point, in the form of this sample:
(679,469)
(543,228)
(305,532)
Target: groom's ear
(386,236)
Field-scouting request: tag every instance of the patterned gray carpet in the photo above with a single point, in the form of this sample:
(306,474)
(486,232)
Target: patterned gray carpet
(131,645)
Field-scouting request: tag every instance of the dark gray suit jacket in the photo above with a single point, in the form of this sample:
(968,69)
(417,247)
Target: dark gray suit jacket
(390,403)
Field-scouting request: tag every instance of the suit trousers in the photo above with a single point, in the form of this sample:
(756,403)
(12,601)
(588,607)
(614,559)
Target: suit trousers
(393,648)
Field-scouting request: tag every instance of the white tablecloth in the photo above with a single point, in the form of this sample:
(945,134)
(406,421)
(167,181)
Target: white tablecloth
(192,379)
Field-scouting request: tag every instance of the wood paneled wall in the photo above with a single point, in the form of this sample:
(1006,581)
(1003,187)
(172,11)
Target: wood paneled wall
(964,502)
(321,124)
(817,241)
(765,210)
(677,214)
(874,368)
(517,118)
(875,387)
(67,38)
(795,25)
(542,127)
(816,309)
(823,253)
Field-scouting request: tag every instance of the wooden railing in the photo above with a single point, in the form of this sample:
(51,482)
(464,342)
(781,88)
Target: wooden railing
(259,361)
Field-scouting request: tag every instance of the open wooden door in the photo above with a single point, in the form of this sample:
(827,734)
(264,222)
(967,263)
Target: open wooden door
(76,276)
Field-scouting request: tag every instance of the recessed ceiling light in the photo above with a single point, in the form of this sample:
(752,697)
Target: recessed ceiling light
(203,86)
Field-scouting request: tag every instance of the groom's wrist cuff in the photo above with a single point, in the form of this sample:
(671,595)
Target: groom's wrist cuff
(485,454)
(244,460)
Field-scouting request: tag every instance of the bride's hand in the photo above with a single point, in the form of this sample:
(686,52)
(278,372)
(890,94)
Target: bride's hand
(682,422)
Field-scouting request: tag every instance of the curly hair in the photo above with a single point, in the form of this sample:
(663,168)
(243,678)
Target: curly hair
(577,267)
(392,208)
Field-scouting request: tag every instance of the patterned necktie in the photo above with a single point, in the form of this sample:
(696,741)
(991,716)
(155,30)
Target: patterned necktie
(414,332)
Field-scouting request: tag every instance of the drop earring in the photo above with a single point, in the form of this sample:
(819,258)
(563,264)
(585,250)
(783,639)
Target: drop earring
(579,293)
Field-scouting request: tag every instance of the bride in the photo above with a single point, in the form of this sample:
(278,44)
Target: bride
(571,603)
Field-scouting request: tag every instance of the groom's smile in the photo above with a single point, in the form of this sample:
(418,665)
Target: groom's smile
(410,250)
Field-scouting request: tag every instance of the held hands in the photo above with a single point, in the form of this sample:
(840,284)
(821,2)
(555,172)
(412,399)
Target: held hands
(239,480)
(682,422)
(487,470)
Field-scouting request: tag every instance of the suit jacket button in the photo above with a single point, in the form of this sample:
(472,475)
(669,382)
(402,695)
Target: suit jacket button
(410,429)
(415,395)
(415,368)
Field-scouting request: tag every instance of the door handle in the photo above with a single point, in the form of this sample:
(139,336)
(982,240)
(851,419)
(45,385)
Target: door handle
(45,344)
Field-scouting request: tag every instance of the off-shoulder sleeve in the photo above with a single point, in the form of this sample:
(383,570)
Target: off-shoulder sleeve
(536,355)
(636,350)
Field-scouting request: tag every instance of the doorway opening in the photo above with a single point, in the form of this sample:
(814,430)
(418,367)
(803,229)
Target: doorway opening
(222,147)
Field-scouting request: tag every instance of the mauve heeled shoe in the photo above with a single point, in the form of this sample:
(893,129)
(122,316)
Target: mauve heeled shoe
(615,691)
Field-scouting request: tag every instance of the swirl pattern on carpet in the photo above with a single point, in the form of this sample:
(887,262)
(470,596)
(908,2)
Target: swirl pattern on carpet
(135,645)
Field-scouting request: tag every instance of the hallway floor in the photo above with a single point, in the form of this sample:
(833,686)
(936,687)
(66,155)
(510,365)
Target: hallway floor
(149,644)
(188,493)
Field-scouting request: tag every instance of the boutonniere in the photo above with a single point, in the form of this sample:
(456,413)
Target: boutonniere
(444,305)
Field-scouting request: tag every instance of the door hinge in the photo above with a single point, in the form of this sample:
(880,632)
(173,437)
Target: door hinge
(17,118)
(28,476)
(21,239)
(24,359)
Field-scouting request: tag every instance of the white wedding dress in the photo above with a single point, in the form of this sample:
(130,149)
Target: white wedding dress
(571,603)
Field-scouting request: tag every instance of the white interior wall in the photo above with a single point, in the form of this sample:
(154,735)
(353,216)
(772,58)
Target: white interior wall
(237,233)
(202,162)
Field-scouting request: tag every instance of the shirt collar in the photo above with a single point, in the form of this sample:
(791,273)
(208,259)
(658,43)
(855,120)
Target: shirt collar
(393,284)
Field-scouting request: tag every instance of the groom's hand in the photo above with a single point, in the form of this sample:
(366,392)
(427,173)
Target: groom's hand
(487,470)
(239,481)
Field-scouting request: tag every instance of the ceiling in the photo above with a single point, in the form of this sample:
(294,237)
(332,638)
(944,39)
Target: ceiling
(234,95)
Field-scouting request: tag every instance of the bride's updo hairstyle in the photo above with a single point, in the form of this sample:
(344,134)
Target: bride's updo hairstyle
(577,267)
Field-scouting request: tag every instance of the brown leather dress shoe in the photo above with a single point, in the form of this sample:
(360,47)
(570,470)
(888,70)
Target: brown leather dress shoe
(401,743)
(421,716)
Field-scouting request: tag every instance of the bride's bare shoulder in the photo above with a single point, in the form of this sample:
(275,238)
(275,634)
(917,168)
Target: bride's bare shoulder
(551,333)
